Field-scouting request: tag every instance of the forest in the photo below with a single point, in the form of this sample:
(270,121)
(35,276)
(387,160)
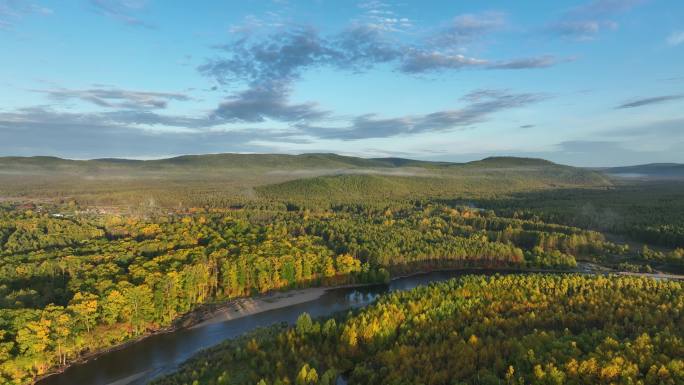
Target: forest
(70,285)
(651,212)
(104,252)
(506,329)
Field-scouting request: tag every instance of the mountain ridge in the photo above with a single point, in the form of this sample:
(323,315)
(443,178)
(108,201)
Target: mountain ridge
(225,178)
(273,159)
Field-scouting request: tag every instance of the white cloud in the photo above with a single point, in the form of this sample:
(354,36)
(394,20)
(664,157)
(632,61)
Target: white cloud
(676,38)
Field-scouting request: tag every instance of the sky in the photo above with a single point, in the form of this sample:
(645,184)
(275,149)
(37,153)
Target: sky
(580,82)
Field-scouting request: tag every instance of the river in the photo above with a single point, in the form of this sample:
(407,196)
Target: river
(161,354)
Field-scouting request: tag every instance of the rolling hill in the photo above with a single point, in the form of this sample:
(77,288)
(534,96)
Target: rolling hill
(200,179)
(485,177)
(209,162)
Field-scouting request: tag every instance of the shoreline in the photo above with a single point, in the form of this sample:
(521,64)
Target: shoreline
(217,312)
(243,307)
(210,313)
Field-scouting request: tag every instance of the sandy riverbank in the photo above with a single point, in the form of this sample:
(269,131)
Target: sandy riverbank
(244,307)
(214,313)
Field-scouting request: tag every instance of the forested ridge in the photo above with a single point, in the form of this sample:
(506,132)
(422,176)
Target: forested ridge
(223,180)
(515,329)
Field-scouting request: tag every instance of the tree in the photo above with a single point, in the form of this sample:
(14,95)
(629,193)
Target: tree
(306,376)
(139,301)
(304,324)
(61,331)
(113,307)
(84,307)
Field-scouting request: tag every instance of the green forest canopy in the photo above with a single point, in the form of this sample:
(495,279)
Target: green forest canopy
(515,329)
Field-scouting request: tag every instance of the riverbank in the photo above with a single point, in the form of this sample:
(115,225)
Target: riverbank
(653,275)
(243,307)
(94,355)
(214,313)
(219,312)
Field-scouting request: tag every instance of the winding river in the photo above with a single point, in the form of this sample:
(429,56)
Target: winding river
(161,354)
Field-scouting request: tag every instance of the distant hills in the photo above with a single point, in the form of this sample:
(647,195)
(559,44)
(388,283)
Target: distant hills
(321,164)
(218,179)
(314,161)
(648,171)
(251,161)
(211,162)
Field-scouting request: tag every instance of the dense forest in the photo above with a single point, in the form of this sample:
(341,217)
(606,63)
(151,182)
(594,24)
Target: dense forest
(97,253)
(651,212)
(74,284)
(516,329)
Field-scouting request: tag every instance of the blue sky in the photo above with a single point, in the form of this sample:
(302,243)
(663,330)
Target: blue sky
(584,82)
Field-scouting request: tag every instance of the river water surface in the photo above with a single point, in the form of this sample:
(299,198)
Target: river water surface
(161,354)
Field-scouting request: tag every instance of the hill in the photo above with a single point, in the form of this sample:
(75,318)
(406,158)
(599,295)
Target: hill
(219,179)
(487,177)
(208,162)
(510,161)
